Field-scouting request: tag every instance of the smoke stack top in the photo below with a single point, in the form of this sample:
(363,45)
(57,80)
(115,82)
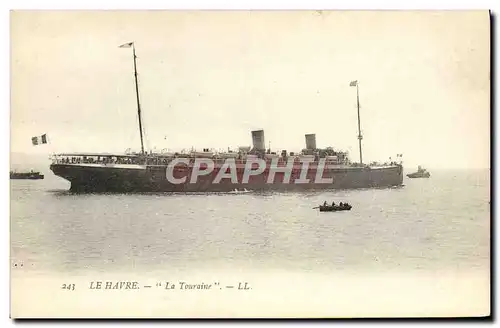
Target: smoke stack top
(258,140)
(311,141)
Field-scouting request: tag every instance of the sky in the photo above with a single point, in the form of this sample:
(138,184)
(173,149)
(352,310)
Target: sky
(208,78)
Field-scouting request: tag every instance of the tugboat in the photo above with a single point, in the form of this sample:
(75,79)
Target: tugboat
(421,173)
(26,175)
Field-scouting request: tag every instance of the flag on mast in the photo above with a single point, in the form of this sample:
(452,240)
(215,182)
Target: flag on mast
(39,140)
(126,45)
(353,83)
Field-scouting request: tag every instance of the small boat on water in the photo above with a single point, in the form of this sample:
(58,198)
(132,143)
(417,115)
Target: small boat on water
(334,208)
(421,173)
(25,175)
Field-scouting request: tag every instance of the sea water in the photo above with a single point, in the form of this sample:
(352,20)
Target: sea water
(418,250)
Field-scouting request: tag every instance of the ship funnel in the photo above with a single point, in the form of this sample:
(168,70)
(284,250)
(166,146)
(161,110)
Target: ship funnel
(310,141)
(258,140)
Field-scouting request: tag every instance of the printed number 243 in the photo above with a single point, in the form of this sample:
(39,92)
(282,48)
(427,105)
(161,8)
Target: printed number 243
(68,286)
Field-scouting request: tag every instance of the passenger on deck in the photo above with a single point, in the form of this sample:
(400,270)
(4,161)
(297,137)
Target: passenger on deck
(325,204)
(340,203)
(333,203)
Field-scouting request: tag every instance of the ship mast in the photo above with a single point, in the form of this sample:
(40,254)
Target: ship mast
(131,45)
(360,137)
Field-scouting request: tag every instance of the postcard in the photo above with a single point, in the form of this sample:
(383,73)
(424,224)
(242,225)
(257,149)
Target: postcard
(250,164)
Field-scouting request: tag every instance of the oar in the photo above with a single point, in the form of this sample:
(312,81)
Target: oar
(315,207)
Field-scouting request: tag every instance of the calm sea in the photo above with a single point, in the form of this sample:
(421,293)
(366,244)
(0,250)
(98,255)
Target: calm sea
(427,230)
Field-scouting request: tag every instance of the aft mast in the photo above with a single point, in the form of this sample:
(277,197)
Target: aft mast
(131,45)
(360,137)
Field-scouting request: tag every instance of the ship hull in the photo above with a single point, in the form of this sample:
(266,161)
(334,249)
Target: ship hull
(418,176)
(114,178)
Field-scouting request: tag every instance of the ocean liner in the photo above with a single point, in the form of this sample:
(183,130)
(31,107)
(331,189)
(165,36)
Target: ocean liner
(250,168)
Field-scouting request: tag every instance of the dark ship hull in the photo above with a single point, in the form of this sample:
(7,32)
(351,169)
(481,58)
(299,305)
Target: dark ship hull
(327,208)
(153,178)
(26,176)
(418,175)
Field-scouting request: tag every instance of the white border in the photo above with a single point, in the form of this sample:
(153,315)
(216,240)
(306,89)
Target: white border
(255,4)
(185,4)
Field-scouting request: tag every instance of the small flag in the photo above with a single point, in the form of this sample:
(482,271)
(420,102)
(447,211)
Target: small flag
(39,140)
(353,83)
(126,45)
